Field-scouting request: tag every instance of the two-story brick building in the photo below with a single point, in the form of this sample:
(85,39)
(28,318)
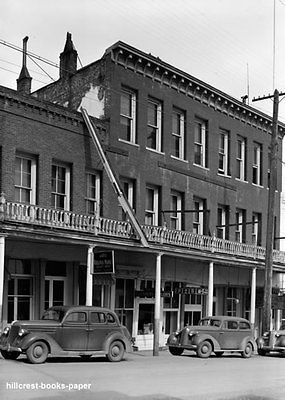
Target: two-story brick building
(193,163)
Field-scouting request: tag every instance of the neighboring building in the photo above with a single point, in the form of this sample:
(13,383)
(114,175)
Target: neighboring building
(193,163)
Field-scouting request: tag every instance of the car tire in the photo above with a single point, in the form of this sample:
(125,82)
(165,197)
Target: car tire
(10,355)
(261,352)
(176,351)
(116,351)
(247,352)
(204,349)
(219,353)
(37,353)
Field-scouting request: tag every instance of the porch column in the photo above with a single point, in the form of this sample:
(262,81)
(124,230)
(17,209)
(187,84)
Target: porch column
(2,256)
(89,276)
(157,305)
(253,296)
(210,288)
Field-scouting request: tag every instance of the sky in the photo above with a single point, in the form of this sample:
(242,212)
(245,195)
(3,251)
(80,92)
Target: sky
(237,46)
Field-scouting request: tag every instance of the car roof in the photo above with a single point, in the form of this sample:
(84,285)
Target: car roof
(225,318)
(80,308)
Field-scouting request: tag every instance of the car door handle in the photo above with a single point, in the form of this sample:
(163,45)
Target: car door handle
(89,330)
(221,333)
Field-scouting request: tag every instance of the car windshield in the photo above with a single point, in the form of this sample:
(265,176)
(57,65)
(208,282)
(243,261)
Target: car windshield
(53,315)
(210,322)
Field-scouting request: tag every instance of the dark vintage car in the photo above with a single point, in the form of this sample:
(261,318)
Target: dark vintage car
(271,341)
(67,330)
(214,334)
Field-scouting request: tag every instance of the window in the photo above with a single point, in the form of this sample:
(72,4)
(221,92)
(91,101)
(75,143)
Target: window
(60,187)
(92,194)
(154,125)
(257,164)
(124,301)
(241,159)
(25,179)
(240,233)
(97,318)
(175,216)
(231,302)
(199,216)
(222,222)
(256,229)
(128,115)
(128,187)
(76,317)
(224,152)
(178,133)
(151,209)
(200,143)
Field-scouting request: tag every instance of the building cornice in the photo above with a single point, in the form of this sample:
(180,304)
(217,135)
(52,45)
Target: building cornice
(159,71)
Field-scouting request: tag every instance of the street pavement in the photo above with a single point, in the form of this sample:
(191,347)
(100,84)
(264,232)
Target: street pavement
(144,377)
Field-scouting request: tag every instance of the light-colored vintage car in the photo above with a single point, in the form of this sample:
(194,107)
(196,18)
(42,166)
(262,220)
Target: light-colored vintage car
(216,334)
(67,330)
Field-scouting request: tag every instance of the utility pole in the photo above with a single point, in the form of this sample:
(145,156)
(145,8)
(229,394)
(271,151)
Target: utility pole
(266,317)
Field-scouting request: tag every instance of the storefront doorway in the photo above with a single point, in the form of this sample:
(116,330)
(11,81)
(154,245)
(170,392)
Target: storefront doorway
(55,291)
(144,323)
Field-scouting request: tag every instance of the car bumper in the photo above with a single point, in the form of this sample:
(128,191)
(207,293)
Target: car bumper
(9,348)
(181,346)
(275,348)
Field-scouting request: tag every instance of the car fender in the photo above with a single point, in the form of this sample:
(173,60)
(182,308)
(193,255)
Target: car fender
(31,338)
(116,336)
(245,341)
(202,337)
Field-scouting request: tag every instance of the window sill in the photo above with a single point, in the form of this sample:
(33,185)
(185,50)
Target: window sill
(201,166)
(258,186)
(179,159)
(127,142)
(241,180)
(224,175)
(155,151)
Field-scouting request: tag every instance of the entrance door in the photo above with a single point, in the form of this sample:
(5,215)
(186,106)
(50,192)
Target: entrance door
(20,297)
(55,288)
(145,324)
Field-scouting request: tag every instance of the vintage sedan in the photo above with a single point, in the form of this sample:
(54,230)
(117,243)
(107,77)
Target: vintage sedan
(217,334)
(271,341)
(67,330)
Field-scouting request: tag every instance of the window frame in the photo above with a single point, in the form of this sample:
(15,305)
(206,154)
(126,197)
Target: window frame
(89,200)
(201,144)
(176,217)
(222,221)
(199,223)
(155,200)
(241,158)
(257,164)
(157,127)
(33,178)
(180,135)
(66,195)
(132,118)
(224,152)
(240,231)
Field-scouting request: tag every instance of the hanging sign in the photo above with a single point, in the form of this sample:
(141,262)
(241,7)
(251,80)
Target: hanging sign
(104,262)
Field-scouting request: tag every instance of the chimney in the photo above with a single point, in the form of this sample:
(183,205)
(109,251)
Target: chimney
(68,59)
(24,80)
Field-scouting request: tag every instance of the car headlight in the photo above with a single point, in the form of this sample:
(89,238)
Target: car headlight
(22,332)
(192,333)
(266,334)
(6,330)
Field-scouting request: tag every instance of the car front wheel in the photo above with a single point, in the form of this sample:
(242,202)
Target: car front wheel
(204,349)
(116,351)
(37,353)
(176,351)
(247,352)
(10,355)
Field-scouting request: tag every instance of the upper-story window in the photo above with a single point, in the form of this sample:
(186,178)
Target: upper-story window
(151,208)
(128,186)
(256,229)
(176,207)
(223,222)
(224,152)
(199,216)
(178,133)
(257,164)
(60,184)
(200,143)
(128,115)
(92,198)
(241,158)
(154,125)
(25,179)
(240,226)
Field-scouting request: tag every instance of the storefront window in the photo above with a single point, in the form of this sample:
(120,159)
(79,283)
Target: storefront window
(232,301)
(124,301)
(173,300)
